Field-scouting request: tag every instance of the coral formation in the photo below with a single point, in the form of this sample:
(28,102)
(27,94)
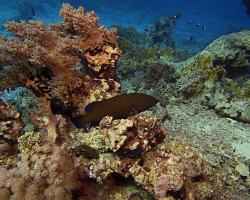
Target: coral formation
(161,31)
(47,57)
(140,48)
(45,171)
(131,136)
(73,63)
(24,101)
(11,126)
(218,76)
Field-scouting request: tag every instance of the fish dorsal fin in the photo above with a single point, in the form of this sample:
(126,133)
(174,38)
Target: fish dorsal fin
(91,106)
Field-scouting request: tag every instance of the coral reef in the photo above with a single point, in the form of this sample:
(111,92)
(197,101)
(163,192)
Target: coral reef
(161,31)
(216,79)
(44,171)
(218,76)
(24,101)
(132,136)
(46,58)
(73,63)
(140,48)
(11,126)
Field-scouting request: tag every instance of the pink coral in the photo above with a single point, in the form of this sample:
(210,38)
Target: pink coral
(45,171)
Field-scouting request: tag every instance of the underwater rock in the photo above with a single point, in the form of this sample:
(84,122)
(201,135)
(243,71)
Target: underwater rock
(131,137)
(167,170)
(243,170)
(174,171)
(219,76)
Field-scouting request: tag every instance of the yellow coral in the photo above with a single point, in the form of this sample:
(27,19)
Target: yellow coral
(204,65)
(28,141)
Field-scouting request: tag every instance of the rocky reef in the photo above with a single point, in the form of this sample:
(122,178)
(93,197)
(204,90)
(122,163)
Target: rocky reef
(205,98)
(74,63)
(219,76)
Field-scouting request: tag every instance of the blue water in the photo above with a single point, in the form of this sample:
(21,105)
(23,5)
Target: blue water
(202,20)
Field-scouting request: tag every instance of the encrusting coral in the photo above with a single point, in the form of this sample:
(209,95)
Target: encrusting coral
(131,137)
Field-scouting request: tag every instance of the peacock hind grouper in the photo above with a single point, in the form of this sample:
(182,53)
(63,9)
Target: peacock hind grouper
(118,107)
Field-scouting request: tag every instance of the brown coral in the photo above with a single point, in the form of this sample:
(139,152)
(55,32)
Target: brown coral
(51,54)
(131,137)
(11,126)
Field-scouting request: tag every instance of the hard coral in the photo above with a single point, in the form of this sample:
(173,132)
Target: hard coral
(167,170)
(132,136)
(51,54)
